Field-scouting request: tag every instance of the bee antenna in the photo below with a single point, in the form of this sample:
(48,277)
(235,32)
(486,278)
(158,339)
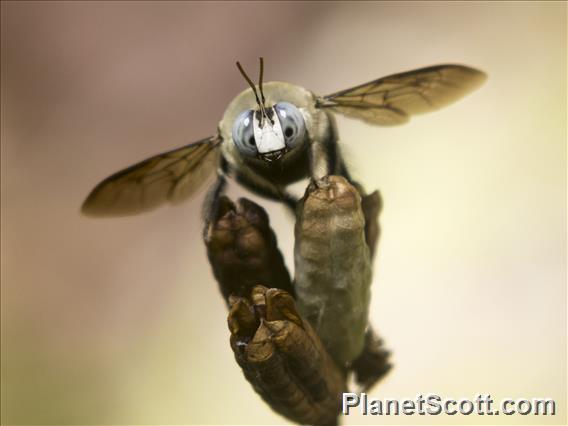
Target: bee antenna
(251,84)
(260,74)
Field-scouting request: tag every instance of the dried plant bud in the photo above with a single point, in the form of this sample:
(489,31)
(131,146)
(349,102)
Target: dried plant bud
(373,363)
(333,266)
(242,321)
(286,362)
(280,353)
(281,306)
(242,249)
(258,295)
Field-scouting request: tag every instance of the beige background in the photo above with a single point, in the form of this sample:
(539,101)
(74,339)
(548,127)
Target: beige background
(120,321)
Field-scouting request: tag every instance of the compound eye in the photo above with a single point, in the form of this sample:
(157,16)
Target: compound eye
(292,123)
(243,134)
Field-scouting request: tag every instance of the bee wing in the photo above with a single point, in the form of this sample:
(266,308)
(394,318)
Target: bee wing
(172,176)
(392,100)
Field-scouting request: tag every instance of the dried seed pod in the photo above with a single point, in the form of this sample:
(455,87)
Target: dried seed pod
(284,359)
(280,354)
(242,249)
(242,320)
(333,266)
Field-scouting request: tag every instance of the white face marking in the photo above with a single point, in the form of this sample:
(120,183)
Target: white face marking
(270,137)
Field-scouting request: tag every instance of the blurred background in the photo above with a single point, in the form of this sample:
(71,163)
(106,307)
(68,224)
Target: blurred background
(119,321)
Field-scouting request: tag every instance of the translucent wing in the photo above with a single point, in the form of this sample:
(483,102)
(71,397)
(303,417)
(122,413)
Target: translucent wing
(391,100)
(172,176)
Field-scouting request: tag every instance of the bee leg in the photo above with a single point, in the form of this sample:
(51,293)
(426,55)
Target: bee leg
(326,159)
(345,173)
(210,207)
(291,202)
(321,160)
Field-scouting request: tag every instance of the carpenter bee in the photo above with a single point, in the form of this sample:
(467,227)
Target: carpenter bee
(274,134)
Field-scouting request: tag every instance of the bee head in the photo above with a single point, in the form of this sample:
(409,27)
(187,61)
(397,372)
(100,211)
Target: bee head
(265,132)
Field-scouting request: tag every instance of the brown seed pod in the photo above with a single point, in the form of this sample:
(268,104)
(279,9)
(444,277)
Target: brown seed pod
(280,353)
(284,359)
(333,266)
(242,249)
